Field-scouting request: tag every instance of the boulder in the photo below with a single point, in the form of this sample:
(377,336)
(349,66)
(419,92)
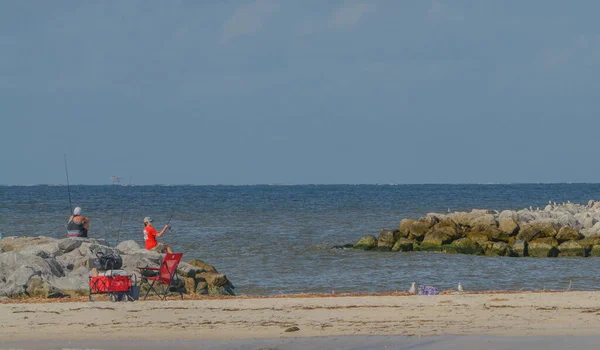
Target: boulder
(11,290)
(418,229)
(67,261)
(484,220)
(462,218)
(433,241)
(67,245)
(533,231)
(519,247)
(131,262)
(76,281)
(202,265)
(218,284)
(589,222)
(186,270)
(37,287)
(462,246)
(46,250)
(448,226)
(405,225)
(594,250)
(541,249)
(508,225)
(568,220)
(568,234)
(387,238)
(590,241)
(571,249)
(473,218)
(368,242)
(12,261)
(403,245)
(491,232)
(16,244)
(509,214)
(498,249)
(430,220)
(128,247)
(20,277)
(592,231)
(478,237)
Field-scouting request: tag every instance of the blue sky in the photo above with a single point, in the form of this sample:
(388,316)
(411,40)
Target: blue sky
(296,92)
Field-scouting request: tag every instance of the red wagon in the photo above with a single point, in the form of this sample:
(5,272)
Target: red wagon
(116,283)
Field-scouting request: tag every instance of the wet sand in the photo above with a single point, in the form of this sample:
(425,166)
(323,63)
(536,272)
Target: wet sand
(236,322)
(467,342)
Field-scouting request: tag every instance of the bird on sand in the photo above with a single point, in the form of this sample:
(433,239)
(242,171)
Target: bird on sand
(460,288)
(412,289)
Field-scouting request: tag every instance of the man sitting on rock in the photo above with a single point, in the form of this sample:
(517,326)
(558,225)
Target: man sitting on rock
(78,226)
(150,235)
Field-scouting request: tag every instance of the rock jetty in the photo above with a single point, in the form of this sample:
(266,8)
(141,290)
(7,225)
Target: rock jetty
(49,267)
(558,230)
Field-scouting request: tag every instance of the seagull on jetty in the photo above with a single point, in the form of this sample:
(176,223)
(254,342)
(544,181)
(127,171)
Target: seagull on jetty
(460,288)
(412,289)
(550,202)
(530,208)
(554,203)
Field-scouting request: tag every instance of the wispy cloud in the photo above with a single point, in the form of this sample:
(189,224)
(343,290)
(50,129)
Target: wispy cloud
(248,19)
(349,15)
(441,12)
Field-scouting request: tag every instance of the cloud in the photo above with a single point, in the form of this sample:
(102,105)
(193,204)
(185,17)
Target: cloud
(248,19)
(348,15)
(440,12)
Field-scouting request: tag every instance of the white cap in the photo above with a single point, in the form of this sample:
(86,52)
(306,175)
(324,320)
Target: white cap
(77,211)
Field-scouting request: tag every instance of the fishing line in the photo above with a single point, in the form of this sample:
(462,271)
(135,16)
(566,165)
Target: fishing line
(122,217)
(68,186)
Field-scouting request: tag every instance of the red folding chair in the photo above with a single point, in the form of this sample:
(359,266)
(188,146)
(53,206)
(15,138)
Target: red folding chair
(166,275)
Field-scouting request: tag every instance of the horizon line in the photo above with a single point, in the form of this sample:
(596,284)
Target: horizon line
(322,184)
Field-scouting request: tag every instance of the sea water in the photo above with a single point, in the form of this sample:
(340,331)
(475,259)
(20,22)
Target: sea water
(277,239)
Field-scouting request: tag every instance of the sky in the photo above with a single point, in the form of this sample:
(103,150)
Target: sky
(299,92)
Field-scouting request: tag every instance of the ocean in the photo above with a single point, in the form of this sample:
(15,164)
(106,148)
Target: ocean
(270,240)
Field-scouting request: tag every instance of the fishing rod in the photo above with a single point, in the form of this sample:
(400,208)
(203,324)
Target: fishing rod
(68,186)
(169,221)
(122,216)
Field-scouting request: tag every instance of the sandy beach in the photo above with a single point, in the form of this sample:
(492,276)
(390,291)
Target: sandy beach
(497,314)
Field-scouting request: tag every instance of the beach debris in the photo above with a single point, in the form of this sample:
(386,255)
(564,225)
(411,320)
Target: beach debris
(427,290)
(460,288)
(412,289)
(292,329)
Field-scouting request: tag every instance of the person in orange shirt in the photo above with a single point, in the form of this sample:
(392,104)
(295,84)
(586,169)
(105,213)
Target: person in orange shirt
(150,235)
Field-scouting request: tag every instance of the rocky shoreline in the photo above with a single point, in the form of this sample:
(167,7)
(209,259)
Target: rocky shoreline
(558,230)
(49,267)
